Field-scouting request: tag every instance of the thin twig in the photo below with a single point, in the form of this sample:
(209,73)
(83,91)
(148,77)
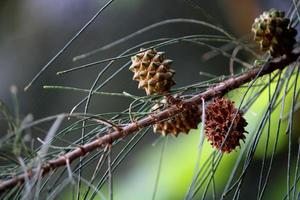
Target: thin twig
(219,89)
(67,45)
(159,168)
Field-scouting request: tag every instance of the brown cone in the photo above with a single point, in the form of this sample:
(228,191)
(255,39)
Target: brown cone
(273,33)
(153,72)
(219,115)
(188,119)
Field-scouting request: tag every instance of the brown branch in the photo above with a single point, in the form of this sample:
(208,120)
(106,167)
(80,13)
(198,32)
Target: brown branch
(220,89)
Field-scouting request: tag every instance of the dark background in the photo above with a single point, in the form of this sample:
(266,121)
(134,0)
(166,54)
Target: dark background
(33,31)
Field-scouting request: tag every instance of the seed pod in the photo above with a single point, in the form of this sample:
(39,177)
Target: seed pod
(188,119)
(153,72)
(273,34)
(224,125)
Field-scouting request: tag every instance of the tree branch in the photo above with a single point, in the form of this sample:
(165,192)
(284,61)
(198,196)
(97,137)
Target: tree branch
(220,89)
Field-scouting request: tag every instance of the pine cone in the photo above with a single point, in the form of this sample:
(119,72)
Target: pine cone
(272,32)
(188,119)
(153,72)
(219,115)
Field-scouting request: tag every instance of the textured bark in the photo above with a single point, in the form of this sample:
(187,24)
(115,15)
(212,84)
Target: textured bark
(219,89)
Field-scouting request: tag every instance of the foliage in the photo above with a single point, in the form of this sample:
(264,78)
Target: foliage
(172,167)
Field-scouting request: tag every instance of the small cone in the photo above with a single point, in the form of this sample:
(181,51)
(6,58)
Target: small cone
(188,119)
(273,34)
(223,119)
(153,72)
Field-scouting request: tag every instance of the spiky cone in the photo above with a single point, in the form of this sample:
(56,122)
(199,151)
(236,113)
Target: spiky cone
(224,125)
(273,33)
(153,72)
(188,119)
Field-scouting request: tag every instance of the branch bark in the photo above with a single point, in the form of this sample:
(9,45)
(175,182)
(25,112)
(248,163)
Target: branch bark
(220,89)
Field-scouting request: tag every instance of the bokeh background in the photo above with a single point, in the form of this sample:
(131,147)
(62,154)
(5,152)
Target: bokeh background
(33,31)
